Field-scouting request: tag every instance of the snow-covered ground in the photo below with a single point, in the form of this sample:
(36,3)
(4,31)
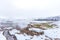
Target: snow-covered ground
(52,33)
(1,36)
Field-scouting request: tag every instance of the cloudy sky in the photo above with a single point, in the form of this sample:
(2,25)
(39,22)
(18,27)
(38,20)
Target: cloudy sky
(29,8)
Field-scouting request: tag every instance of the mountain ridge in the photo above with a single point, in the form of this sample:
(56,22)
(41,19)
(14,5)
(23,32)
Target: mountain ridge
(55,18)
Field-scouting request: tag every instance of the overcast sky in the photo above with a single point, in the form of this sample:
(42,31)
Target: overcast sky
(29,8)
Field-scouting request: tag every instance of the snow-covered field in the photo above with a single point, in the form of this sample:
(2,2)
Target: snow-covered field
(50,33)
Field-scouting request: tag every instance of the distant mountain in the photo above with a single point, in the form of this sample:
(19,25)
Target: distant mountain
(55,18)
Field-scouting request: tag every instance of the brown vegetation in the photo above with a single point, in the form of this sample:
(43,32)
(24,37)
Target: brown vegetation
(28,32)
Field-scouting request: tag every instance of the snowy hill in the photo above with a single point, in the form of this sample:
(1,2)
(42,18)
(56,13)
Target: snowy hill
(55,18)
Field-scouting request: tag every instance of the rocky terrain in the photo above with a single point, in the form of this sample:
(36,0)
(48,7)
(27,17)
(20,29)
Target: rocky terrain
(48,30)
